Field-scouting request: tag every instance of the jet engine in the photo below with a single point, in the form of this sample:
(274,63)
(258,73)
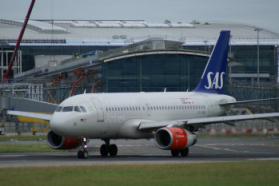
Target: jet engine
(60,142)
(174,138)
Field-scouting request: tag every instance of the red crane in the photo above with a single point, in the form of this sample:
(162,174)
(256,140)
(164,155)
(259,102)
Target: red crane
(6,75)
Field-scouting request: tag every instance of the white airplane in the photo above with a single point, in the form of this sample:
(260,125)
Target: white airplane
(172,116)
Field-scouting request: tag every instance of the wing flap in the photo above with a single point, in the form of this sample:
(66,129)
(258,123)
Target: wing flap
(46,117)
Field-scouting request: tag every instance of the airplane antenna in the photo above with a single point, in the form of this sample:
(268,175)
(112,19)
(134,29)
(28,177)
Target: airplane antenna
(165,89)
(84,91)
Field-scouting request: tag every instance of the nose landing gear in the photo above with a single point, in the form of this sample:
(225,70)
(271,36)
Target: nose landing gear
(108,149)
(83,154)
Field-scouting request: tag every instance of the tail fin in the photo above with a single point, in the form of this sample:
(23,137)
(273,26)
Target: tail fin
(213,77)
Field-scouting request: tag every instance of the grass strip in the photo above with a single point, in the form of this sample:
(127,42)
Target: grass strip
(229,174)
(14,148)
(23,138)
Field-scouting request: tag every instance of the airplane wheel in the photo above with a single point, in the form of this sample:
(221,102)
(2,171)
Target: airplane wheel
(85,154)
(79,154)
(175,153)
(104,150)
(184,152)
(113,150)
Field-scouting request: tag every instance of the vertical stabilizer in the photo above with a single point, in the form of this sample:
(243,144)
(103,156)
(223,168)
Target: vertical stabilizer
(213,77)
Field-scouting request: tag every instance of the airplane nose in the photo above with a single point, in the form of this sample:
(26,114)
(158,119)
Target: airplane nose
(55,124)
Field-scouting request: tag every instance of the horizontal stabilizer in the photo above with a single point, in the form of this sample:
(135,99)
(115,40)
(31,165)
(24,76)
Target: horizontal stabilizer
(248,101)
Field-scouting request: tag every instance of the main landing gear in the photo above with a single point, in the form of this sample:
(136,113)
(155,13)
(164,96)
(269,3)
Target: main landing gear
(108,149)
(83,154)
(183,152)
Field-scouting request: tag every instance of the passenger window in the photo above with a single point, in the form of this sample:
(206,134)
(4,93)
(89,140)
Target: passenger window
(112,109)
(127,108)
(136,108)
(115,109)
(166,108)
(121,108)
(157,108)
(118,109)
(173,107)
(162,107)
(144,108)
(124,108)
(58,109)
(67,109)
(139,108)
(82,109)
(106,109)
(77,109)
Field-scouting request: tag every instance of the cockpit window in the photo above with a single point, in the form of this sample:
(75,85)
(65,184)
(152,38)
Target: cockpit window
(77,109)
(67,109)
(58,109)
(82,108)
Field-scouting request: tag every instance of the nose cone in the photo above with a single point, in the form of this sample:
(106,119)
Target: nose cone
(56,124)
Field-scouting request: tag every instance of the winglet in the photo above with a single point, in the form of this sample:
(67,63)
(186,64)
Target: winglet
(213,77)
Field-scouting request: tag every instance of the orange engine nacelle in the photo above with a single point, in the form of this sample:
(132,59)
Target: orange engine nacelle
(59,142)
(174,138)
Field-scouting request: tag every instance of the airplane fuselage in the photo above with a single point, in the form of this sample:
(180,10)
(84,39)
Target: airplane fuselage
(112,115)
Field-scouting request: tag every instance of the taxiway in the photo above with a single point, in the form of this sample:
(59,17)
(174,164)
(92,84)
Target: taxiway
(207,149)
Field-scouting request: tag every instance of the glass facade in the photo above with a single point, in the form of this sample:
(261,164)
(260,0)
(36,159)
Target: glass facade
(150,73)
(247,55)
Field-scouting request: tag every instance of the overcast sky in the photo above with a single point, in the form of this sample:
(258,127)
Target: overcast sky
(260,13)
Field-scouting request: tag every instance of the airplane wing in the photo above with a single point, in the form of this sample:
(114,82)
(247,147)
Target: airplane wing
(151,125)
(45,117)
(248,101)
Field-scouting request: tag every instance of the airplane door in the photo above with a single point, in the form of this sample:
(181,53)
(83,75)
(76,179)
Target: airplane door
(209,106)
(148,109)
(99,108)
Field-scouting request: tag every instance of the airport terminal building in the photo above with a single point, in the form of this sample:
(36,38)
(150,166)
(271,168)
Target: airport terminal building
(134,56)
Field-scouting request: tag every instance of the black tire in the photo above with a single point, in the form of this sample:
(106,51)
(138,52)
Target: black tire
(85,154)
(175,153)
(184,152)
(79,154)
(104,150)
(113,150)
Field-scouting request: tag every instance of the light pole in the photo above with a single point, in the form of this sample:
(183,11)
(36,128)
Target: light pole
(258,55)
